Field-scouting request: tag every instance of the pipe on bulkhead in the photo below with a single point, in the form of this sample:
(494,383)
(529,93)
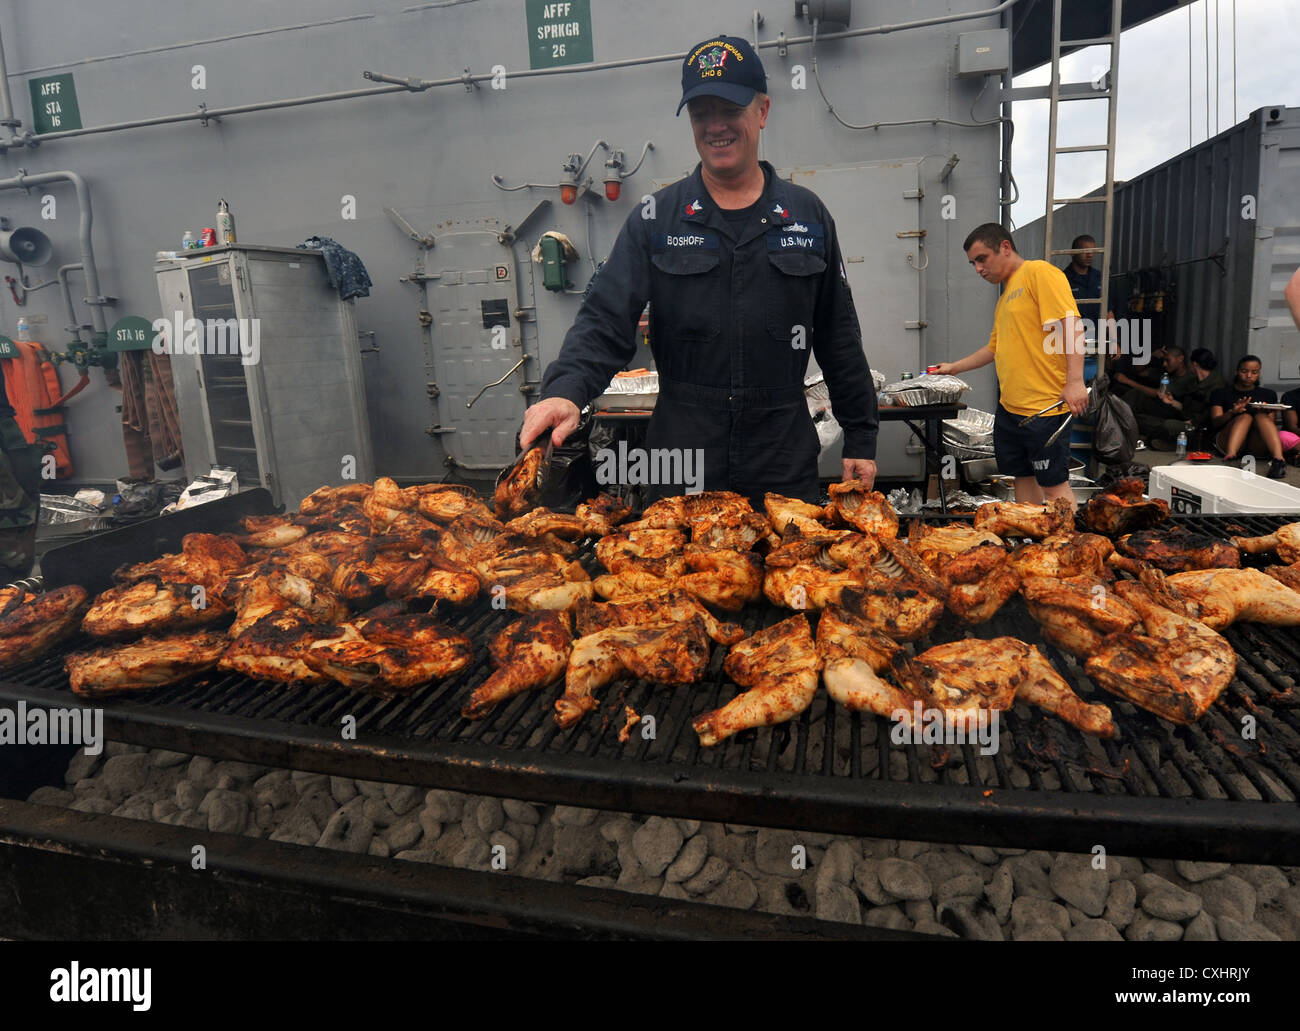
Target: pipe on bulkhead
(22,181)
(395,84)
(74,326)
(6,101)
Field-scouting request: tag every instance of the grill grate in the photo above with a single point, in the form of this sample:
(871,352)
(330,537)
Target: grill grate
(1200,790)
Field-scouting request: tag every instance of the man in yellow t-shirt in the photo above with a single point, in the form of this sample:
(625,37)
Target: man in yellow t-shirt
(1038,346)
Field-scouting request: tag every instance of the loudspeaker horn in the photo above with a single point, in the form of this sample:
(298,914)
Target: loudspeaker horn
(26,245)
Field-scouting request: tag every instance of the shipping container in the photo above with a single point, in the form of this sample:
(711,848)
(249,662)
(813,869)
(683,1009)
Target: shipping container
(1204,244)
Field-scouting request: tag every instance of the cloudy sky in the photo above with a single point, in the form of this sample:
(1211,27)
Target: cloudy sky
(1153,121)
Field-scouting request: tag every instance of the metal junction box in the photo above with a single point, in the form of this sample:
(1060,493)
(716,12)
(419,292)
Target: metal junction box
(266,367)
(983,53)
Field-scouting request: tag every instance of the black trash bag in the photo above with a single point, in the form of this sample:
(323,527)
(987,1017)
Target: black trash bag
(1115,433)
(20,496)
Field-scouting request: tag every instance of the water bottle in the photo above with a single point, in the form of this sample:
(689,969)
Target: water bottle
(225,223)
(24,329)
(187,241)
(1180,450)
(1164,383)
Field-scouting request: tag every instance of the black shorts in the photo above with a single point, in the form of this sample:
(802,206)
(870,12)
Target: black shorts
(1023,451)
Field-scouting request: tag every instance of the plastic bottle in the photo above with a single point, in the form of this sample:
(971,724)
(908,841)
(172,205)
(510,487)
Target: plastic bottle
(24,328)
(187,241)
(1164,383)
(1181,447)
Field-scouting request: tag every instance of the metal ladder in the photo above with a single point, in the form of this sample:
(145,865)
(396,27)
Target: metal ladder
(1057,93)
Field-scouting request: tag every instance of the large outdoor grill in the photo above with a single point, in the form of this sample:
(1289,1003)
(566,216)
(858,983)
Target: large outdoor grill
(1207,791)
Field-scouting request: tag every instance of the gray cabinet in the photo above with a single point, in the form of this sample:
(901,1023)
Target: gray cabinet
(267,371)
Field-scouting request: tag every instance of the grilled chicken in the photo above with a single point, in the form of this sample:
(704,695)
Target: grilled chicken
(446,502)
(947,539)
(316,568)
(1289,575)
(1076,614)
(205,559)
(1049,691)
(1175,670)
(856,505)
(272,531)
(1010,519)
(739,531)
(602,513)
(273,648)
(1123,509)
(1174,551)
(681,511)
(541,521)
(1285,540)
(632,583)
(265,591)
(966,677)
(809,586)
(347,517)
(143,665)
(622,550)
(893,607)
(389,654)
(152,607)
(675,606)
(783,512)
(780,667)
(830,549)
(721,577)
(530,653)
(528,578)
(517,493)
(330,544)
(854,655)
(323,498)
(368,574)
(1225,596)
(1064,555)
(671,654)
(980,581)
(31,624)
(443,580)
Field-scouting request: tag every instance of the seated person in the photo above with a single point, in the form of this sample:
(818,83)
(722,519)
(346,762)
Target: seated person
(1290,432)
(1133,381)
(1241,431)
(1196,403)
(1161,418)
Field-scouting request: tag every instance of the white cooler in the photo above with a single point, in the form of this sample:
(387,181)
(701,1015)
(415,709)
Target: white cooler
(1218,488)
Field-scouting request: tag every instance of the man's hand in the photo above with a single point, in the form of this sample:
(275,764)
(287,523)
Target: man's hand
(863,469)
(557,412)
(1076,396)
(946,369)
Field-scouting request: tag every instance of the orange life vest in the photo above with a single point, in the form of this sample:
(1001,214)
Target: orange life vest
(33,387)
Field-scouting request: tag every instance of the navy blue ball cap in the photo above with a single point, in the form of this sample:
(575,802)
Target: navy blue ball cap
(722,66)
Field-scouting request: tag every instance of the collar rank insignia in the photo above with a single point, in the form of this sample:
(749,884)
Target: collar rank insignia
(778,210)
(694,208)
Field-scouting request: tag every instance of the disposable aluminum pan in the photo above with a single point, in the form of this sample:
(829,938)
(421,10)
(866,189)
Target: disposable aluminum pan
(630,392)
(927,390)
(967,451)
(971,427)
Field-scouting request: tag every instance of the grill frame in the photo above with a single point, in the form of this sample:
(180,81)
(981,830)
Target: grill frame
(517,752)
